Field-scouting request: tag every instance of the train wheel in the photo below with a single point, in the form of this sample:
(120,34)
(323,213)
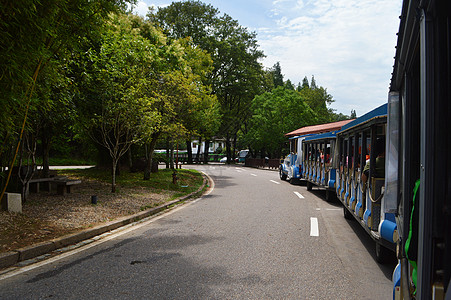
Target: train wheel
(329,196)
(382,254)
(346,213)
(282,175)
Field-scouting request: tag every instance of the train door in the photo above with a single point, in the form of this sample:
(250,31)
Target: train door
(354,170)
(375,171)
(361,189)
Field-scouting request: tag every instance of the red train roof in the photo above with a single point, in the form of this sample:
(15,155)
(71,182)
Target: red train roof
(318,128)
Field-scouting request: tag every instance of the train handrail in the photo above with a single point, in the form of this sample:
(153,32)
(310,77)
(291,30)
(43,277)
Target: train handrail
(370,194)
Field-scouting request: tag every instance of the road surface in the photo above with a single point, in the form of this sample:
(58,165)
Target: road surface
(253,237)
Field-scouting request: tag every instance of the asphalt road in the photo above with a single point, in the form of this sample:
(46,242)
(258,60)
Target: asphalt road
(252,237)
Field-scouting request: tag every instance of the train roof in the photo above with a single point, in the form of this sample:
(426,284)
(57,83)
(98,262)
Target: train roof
(322,136)
(321,128)
(407,33)
(379,112)
(299,136)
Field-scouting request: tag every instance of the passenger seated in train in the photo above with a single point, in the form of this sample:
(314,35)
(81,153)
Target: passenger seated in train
(379,149)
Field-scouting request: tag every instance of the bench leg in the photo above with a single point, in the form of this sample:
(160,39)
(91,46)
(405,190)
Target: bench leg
(61,189)
(33,187)
(46,186)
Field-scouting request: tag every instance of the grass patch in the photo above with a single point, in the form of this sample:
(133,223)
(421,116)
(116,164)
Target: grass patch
(55,161)
(188,180)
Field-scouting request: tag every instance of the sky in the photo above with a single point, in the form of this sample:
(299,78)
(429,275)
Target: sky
(347,45)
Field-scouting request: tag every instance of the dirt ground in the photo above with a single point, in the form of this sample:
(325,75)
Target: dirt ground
(47,215)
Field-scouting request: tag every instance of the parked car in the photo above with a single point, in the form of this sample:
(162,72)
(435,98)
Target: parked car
(242,156)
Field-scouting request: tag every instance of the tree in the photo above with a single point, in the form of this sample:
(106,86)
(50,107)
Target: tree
(275,114)
(313,83)
(119,69)
(32,34)
(188,101)
(353,114)
(276,72)
(237,75)
(305,83)
(289,85)
(318,100)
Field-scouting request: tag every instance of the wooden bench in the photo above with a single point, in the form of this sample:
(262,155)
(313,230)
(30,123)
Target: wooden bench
(63,186)
(34,184)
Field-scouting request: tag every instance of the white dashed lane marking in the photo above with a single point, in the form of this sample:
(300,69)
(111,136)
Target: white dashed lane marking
(299,195)
(314,230)
(253,174)
(275,182)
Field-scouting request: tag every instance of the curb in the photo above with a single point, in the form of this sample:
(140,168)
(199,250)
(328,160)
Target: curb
(9,259)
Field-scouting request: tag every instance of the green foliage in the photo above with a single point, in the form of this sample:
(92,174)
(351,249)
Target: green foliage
(237,75)
(318,99)
(274,114)
(276,72)
(188,180)
(35,37)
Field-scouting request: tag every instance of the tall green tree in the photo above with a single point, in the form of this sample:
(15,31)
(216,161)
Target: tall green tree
(118,70)
(276,72)
(237,75)
(183,77)
(319,101)
(32,34)
(305,83)
(274,114)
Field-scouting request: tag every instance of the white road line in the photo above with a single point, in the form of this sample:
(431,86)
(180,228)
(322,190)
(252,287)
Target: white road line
(314,230)
(253,174)
(275,182)
(239,169)
(299,195)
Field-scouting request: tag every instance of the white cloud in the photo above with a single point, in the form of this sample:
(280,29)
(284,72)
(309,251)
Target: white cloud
(348,45)
(142,8)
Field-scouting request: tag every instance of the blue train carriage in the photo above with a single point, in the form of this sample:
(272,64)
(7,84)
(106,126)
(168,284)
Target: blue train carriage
(317,160)
(291,168)
(360,162)
(420,108)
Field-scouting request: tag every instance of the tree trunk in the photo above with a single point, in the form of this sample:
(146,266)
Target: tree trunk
(198,150)
(234,145)
(190,152)
(45,155)
(207,146)
(172,156)
(228,150)
(130,158)
(151,148)
(27,149)
(167,153)
(113,179)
